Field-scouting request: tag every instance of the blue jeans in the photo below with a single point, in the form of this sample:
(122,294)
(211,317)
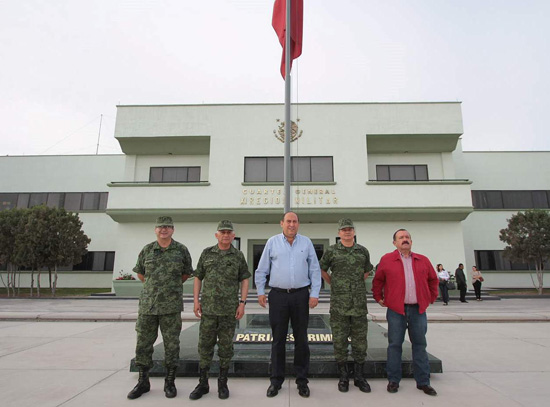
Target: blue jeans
(417,325)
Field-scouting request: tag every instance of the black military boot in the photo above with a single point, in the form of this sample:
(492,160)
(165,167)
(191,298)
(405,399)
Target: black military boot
(359,380)
(143,385)
(223,390)
(170,390)
(343,383)
(203,387)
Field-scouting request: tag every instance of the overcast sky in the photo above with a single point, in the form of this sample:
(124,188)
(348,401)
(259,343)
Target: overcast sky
(64,63)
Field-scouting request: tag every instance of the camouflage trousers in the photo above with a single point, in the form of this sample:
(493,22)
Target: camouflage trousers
(344,327)
(216,329)
(147,327)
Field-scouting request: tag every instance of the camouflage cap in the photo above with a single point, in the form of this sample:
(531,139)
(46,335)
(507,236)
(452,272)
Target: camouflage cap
(225,225)
(164,221)
(345,223)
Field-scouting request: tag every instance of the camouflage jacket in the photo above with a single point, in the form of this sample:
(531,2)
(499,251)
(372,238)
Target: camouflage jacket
(221,272)
(348,266)
(163,269)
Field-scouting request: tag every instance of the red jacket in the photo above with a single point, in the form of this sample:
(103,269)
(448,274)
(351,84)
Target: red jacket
(389,282)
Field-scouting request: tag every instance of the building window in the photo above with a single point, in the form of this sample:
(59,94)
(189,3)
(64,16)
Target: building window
(402,173)
(303,169)
(175,174)
(96,261)
(511,199)
(495,260)
(71,201)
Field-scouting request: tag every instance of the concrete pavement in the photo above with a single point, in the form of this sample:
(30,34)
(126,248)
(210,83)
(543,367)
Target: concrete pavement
(76,352)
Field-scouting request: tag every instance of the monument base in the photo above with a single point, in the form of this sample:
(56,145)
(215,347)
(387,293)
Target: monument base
(252,344)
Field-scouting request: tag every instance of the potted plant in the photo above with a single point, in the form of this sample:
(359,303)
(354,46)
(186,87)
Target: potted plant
(126,285)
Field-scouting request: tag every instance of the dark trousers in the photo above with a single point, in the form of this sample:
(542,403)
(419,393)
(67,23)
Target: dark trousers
(285,307)
(477,289)
(462,289)
(444,292)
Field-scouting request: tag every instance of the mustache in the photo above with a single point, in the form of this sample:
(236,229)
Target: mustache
(405,242)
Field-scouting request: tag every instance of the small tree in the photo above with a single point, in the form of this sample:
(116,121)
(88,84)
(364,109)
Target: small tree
(10,221)
(528,240)
(67,243)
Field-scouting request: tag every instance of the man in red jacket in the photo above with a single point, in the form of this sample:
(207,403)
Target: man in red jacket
(406,283)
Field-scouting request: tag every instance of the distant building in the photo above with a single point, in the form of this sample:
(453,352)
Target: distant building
(385,165)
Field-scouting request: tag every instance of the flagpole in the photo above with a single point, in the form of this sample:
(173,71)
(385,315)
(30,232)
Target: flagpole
(288,135)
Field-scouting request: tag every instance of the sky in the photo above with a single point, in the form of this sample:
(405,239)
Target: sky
(66,64)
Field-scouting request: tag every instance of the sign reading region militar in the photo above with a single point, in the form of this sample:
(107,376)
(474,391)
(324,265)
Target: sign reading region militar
(302,196)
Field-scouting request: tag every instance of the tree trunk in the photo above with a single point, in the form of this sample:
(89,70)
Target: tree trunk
(38,283)
(54,287)
(32,282)
(540,279)
(50,275)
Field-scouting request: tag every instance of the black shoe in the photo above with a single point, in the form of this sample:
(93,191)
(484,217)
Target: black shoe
(393,387)
(203,387)
(223,390)
(273,390)
(303,390)
(429,390)
(143,385)
(358,379)
(343,382)
(170,390)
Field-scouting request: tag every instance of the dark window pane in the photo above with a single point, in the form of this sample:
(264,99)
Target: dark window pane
(109,261)
(87,262)
(90,201)
(421,172)
(37,199)
(23,200)
(181,174)
(401,172)
(170,175)
(255,169)
(301,169)
(540,200)
(99,261)
(55,200)
(103,196)
(494,199)
(517,199)
(155,174)
(194,174)
(321,169)
(275,169)
(383,172)
(8,201)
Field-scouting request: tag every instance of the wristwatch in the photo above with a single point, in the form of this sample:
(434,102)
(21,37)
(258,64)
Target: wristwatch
(242,302)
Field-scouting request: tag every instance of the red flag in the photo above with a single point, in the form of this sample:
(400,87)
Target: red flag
(296,32)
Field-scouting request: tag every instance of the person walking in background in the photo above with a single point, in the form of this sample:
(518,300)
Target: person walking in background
(443,277)
(461,282)
(477,279)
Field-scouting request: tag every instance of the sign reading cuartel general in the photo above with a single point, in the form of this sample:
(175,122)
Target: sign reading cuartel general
(302,196)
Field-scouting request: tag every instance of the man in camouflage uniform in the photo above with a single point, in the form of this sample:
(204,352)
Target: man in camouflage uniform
(163,266)
(221,268)
(350,265)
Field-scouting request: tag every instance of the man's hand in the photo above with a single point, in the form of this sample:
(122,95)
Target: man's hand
(381,302)
(197,309)
(240,311)
(262,300)
(313,302)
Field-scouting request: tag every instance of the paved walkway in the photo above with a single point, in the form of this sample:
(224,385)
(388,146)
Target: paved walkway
(76,352)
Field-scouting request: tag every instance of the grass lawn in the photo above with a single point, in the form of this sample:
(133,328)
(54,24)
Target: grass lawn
(60,292)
